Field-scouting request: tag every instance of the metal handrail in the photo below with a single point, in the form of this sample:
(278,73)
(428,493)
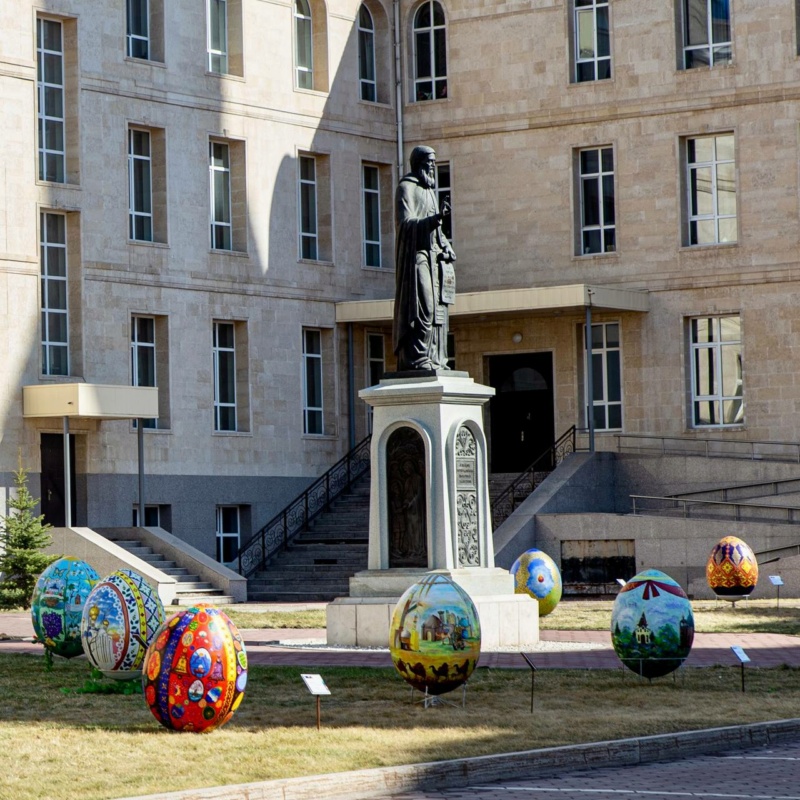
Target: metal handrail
(787,514)
(711,447)
(725,492)
(286,524)
(524,485)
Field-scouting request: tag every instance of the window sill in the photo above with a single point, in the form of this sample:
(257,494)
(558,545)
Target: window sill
(737,427)
(612,254)
(61,378)
(225,76)
(234,253)
(597,81)
(315,262)
(374,103)
(58,185)
(143,243)
(233,434)
(316,92)
(433,100)
(706,68)
(166,431)
(381,270)
(151,62)
(316,437)
(701,248)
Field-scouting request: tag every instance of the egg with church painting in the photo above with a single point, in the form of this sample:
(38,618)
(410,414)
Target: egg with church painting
(195,671)
(732,569)
(57,604)
(537,575)
(119,621)
(652,625)
(435,635)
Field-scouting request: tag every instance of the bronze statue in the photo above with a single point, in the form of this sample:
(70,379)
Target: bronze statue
(425,277)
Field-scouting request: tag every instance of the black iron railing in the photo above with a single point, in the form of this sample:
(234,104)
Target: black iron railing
(284,526)
(522,486)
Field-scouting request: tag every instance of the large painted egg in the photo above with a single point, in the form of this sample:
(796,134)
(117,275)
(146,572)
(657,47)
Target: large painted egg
(57,603)
(119,621)
(652,625)
(195,671)
(537,575)
(435,635)
(732,569)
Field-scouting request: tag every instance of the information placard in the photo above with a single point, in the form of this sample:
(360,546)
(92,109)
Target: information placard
(776,580)
(315,684)
(740,654)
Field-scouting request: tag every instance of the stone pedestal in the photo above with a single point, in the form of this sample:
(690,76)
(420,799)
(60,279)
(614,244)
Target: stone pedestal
(429,510)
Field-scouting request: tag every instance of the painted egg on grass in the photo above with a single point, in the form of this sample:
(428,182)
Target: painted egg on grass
(119,621)
(195,671)
(732,568)
(537,575)
(57,604)
(435,635)
(652,625)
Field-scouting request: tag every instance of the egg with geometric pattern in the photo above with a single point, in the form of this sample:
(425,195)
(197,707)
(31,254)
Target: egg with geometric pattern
(119,621)
(537,575)
(195,671)
(732,569)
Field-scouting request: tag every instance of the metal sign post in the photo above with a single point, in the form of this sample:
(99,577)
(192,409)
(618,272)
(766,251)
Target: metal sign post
(743,659)
(533,676)
(777,582)
(316,685)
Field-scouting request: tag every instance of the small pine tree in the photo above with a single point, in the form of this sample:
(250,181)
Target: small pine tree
(23,536)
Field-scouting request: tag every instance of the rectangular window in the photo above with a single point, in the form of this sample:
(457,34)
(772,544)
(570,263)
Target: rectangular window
(312,381)
(706,33)
(376,366)
(606,377)
(50,83)
(224,349)
(711,181)
(443,195)
(152,517)
(598,213)
(143,356)
(217,36)
(592,46)
(371,194)
(54,289)
(138,29)
(219,165)
(228,527)
(716,355)
(140,186)
(308,207)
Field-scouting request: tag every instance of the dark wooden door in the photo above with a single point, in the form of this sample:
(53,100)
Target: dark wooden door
(52,488)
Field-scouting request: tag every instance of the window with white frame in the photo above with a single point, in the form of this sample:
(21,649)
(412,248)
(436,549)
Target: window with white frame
(224,353)
(138,28)
(140,186)
(228,528)
(716,355)
(50,84)
(308,207)
(376,366)
(430,52)
(606,405)
(217,36)
(303,45)
(219,165)
(366,55)
(598,212)
(706,33)
(54,288)
(371,202)
(312,381)
(143,356)
(711,183)
(592,43)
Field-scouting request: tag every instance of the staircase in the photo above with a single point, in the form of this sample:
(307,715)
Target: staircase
(317,564)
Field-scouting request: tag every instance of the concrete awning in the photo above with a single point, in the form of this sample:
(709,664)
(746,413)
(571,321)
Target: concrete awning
(512,301)
(90,401)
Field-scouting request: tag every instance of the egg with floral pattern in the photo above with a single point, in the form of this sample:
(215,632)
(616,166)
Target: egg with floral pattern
(732,568)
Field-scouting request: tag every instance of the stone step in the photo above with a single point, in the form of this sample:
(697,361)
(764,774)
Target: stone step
(208,599)
(293,597)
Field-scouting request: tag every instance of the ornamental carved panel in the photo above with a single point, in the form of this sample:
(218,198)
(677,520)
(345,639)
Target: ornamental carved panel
(469,554)
(406,483)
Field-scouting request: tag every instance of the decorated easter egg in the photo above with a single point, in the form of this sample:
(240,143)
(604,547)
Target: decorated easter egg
(652,625)
(435,635)
(57,603)
(195,671)
(537,575)
(119,621)
(732,569)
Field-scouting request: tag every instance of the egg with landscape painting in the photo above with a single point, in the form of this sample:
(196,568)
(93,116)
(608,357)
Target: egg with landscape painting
(57,605)
(195,671)
(119,621)
(435,635)
(652,625)
(732,569)
(537,575)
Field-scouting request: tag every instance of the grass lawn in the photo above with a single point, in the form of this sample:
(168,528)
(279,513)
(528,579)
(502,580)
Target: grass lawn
(91,746)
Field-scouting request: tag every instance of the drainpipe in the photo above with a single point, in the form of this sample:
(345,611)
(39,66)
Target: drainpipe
(398,89)
(351,386)
(67,478)
(589,378)
(140,447)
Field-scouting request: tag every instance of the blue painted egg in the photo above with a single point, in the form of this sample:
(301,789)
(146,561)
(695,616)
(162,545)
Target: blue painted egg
(119,621)
(435,635)
(57,604)
(537,575)
(652,625)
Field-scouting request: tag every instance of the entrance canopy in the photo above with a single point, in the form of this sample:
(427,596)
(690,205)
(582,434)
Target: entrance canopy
(89,401)
(574,297)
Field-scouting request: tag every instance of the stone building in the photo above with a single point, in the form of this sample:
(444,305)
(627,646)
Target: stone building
(198,196)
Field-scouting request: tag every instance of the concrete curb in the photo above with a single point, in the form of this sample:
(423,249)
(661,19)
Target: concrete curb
(369,784)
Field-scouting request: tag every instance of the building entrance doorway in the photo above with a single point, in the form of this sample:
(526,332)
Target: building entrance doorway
(521,412)
(52,488)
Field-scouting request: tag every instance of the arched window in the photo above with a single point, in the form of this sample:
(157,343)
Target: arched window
(303,46)
(366,55)
(430,52)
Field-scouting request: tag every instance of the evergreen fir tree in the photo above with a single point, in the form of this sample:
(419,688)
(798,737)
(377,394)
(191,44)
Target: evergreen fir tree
(23,537)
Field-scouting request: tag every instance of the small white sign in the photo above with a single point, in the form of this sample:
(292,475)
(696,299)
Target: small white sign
(621,582)
(776,580)
(315,684)
(740,654)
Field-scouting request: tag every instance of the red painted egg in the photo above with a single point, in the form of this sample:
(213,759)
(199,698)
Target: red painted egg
(195,671)
(732,569)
